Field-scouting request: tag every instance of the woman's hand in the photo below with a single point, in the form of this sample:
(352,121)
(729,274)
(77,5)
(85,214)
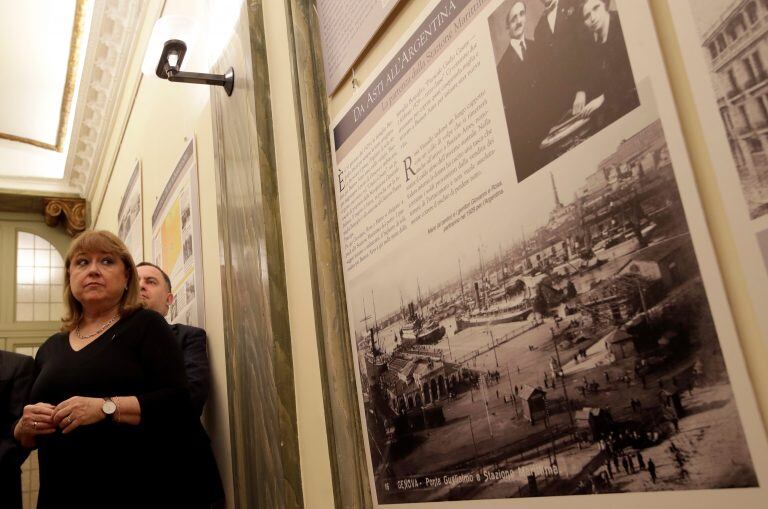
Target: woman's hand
(36,420)
(78,411)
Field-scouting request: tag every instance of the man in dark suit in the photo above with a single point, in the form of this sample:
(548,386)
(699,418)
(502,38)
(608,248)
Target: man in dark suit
(608,86)
(558,38)
(155,289)
(517,82)
(16,374)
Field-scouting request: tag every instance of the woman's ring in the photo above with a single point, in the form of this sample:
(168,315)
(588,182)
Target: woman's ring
(34,424)
(69,419)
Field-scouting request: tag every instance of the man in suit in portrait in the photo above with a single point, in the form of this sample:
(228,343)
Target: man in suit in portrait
(558,37)
(16,376)
(516,80)
(155,290)
(608,87)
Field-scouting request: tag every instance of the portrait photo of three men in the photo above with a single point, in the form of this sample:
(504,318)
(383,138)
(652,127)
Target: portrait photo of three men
(564,74)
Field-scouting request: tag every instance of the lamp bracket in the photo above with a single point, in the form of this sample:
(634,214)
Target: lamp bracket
(177,49)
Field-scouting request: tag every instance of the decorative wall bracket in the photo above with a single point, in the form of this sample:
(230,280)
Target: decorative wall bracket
(71,210)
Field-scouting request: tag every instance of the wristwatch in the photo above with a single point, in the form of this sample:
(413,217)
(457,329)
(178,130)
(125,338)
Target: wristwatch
(109,407)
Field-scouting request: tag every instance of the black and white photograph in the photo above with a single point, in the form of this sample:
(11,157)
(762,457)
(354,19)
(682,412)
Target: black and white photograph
(185,214)
(173,308)
(762,242)
(130,228)
(189,290)
(187,248)
(564,74)
(127,220)
(734,39)
(190,316)
(551,346)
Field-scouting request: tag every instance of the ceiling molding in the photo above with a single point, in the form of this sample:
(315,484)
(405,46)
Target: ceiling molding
(32,203)
(76,51)
(112,42)
(39,186)
(28,141)
(53,209)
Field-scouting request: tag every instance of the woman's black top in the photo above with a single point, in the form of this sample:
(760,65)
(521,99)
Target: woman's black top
(109,464)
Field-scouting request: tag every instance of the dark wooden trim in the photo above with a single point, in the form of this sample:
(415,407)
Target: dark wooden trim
(344,428)
(260,377)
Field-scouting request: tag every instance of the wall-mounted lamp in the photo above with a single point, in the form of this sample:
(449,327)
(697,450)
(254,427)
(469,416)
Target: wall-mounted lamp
(167,49)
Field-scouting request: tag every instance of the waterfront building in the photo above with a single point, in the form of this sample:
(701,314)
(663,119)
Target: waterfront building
(736,48)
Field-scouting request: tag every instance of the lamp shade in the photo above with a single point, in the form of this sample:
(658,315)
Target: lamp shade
(167,28)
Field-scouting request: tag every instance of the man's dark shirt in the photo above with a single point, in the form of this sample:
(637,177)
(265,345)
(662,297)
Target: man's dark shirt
(559,65)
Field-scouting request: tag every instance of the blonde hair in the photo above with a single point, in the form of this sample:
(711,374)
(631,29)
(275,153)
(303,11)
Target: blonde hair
(99,241)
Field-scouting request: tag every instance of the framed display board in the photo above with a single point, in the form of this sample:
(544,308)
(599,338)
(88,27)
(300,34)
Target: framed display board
(534,307)
(725,42)
(130,217)
(176,241)
(346,28)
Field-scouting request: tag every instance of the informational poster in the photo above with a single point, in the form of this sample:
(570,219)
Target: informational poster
(346,28)
(176,241)
(726,47)
(532,293)
(130,218)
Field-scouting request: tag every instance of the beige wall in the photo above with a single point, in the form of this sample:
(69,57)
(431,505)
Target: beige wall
(12,333)
(163,116)
(313,443)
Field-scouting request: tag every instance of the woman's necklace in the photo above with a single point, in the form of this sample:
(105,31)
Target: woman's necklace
(98,331)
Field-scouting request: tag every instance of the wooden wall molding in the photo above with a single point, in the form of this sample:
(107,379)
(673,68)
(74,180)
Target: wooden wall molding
(260,376)
(349,467)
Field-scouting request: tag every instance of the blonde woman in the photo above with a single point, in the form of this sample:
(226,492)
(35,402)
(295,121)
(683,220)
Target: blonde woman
(110,413)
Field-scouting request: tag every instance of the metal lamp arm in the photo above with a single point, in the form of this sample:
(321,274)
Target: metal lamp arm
(226,80)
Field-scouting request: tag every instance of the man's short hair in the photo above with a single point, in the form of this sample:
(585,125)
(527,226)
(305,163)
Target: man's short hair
(525,7)
(165,276)
(607,4)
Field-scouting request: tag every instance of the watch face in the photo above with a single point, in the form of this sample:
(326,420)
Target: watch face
(109,407)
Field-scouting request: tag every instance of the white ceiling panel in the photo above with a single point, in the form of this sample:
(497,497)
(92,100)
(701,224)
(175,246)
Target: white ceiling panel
(46,146)
(35,42)
(27,161)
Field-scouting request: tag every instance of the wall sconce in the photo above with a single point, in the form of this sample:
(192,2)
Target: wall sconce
(166,51)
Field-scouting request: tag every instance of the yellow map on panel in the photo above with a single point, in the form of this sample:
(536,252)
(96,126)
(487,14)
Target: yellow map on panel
(171,235)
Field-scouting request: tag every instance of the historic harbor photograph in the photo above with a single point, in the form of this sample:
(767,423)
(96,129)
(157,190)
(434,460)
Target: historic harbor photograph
(572,351)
